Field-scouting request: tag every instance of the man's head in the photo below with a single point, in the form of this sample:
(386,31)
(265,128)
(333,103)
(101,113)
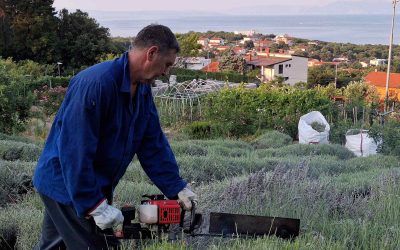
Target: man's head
(154,49)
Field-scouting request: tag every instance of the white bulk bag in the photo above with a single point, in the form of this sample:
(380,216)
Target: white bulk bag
(359,142)
(307,135)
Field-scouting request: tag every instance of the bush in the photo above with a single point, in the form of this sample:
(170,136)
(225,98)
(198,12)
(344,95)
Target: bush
(206,147)
(49,81)
(15,97)
(201,130)
(206,169)
(50,98)
(272,139)
(277,108)
(308,150)
(338,131)
(25,220)
(187,75)
(188,148)
(378,161)
(12,151)
(15,180)
(387,137)
(17,138)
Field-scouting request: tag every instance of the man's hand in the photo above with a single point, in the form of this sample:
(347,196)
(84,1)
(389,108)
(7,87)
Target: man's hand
(186,196)
(106,216)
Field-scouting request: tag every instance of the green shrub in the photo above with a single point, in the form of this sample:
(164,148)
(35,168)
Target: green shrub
(205,169)
(272,139)
(12,151)
(229,152)
(49,81)
(338,131)
(15,97)
(50,99)
(244,111)
(15,180)
(187,75)
(307,150)
(378,161)
(188,148)
(26,220)
(5,137)
(387,137)
(200,130)
(233,144)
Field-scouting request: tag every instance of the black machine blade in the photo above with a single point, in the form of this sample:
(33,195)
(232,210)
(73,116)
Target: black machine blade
(227,224)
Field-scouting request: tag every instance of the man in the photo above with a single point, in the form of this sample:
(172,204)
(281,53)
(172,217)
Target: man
(108,115)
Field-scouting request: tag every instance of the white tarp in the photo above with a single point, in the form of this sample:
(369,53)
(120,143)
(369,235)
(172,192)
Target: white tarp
(308,135)
(360,143)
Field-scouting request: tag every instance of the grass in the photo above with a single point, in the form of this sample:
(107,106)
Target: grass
(343,202)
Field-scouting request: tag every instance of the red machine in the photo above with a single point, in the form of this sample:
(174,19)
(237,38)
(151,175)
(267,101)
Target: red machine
(158,216)
(169,211)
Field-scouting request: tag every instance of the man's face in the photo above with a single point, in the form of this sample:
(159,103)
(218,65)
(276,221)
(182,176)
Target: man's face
(158,64)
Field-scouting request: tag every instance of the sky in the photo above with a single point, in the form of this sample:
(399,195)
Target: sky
(266,7)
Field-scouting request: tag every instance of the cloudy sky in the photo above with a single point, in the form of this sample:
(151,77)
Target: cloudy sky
(266,7)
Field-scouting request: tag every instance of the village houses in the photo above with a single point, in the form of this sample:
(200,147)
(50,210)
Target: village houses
(284,39)
(292,69)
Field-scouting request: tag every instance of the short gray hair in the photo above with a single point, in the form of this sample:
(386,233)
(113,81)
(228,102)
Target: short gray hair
(156,35)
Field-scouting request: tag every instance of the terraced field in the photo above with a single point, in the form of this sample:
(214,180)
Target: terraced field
(343,202)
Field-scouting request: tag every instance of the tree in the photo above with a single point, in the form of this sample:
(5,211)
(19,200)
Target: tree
(320,75)
(30,28)
(249,44)
(5,32)
(15,99)
(277,46)
(81,39)
(231,62)
(188,44)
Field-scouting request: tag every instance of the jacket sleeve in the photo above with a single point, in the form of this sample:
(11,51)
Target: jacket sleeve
(77,143)
(157,159)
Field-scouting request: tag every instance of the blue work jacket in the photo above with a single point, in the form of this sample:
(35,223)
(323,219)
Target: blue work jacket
(95,134)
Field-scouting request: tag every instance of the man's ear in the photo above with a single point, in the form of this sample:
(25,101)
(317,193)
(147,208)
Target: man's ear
(151,53)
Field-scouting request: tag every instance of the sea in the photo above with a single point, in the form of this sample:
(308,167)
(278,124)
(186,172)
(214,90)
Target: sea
(357,29)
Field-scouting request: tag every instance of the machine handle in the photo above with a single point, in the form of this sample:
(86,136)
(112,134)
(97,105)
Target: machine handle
(192,218)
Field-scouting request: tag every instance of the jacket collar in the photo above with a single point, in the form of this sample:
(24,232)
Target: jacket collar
(126,80)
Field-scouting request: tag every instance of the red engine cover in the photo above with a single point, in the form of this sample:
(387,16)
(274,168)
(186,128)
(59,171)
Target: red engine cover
(169,211)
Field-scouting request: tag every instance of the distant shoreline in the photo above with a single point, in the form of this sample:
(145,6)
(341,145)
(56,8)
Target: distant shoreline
(357,28)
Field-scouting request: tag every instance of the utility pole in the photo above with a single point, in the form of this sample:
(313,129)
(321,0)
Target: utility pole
(59,71)
(336,75)
(394,2)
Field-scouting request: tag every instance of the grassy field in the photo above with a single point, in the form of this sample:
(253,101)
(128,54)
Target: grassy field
(343,202)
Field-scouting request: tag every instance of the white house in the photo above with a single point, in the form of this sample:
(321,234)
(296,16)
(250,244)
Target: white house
(246,32)
(293,69)
(215,41)
(203,41)
(248,39)
(377,62)
(195,63)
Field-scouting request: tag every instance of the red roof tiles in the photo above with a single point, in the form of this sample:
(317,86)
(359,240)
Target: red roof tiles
(212,67)
(378,79)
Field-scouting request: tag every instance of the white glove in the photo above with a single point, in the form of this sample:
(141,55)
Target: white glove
(107,216)
(186,196)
